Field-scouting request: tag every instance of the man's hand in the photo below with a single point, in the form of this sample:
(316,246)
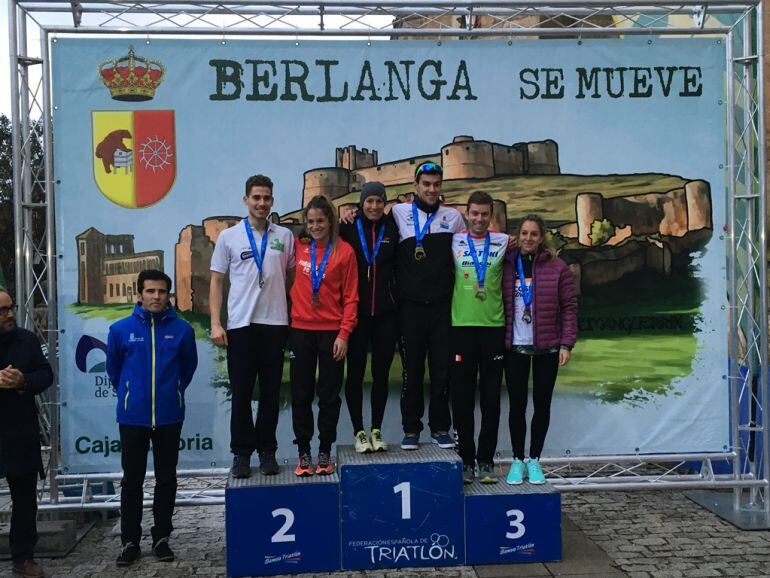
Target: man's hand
(348,215)
(513,242)
(340,349)
(564,355)
(11,378)
(218,335)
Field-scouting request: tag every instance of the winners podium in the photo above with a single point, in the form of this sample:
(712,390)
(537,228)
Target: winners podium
(401,508)
(282,524)
(393,509)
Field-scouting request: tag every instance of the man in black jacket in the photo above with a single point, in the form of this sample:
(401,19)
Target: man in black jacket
(24,373)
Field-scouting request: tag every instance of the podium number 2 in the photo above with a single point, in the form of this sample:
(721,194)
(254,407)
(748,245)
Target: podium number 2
(516,523)
(281,535)
(405,489)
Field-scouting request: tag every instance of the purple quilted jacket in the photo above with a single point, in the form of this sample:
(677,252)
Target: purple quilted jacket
(554,303)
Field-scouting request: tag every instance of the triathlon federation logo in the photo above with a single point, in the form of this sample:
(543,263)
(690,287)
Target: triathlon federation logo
(134,155)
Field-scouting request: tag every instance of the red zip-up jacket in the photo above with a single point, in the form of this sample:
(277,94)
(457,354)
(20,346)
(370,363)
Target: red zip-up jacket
(338,308)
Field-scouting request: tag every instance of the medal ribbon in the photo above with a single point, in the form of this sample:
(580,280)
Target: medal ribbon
(420,233)
(481,269)
(526,290)
(317,273)
(259,258)
(369,258)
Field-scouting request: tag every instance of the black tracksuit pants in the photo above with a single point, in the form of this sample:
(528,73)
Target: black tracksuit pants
(424,329)
(476,351)
(311,350)
(256,350)
(544,366)
(23,534)
(135,443)
(379,333)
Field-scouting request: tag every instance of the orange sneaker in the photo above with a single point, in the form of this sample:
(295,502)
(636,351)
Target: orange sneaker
(304,465)
(325,465)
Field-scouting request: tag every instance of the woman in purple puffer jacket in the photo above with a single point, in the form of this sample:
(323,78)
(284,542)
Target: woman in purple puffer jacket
(541,329)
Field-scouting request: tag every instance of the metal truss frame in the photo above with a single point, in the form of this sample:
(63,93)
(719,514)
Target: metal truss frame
(738,23)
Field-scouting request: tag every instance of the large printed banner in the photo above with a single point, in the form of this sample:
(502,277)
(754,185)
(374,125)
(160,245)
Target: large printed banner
(618,144)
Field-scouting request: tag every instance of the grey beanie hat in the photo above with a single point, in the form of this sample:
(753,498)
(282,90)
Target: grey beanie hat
(373,188)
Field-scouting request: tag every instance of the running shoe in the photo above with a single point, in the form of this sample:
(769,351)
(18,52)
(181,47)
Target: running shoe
(304,465)
(162,550)
(469,473)
(268,465)
(241,467)
(128,554)
(516,473)
(325,466)
(378,445)
(410,442)
(487,473)
(535,472)
(443,440)
(363,446)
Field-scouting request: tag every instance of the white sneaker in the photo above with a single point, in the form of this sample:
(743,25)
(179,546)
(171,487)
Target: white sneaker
(363,446)
(377,442)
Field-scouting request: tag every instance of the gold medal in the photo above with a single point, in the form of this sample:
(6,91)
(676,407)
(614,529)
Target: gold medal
(419,253)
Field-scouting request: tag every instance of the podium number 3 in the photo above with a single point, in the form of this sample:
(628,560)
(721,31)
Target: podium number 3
(405,489)
(516,523)
(281,535)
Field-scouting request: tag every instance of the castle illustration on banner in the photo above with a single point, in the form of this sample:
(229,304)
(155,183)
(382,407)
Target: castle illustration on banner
(604,227)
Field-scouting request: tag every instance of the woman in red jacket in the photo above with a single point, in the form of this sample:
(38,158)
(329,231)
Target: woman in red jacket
(541,329)
(324,303)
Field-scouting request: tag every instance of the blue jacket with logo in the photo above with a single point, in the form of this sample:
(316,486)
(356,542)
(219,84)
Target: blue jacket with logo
(151,359)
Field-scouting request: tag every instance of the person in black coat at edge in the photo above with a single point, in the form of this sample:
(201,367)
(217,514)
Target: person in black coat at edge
(374,239)
(24,373)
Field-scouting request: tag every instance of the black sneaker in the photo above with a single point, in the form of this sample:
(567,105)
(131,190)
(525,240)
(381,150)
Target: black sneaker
(128,554)
(163,551)
(268,464)
(469,473)
(241,467)
(487,473)
(325,465)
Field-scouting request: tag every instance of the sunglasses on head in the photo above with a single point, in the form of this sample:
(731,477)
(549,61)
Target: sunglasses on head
(428,168)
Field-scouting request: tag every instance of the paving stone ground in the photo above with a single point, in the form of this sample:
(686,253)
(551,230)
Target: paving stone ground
(658,534)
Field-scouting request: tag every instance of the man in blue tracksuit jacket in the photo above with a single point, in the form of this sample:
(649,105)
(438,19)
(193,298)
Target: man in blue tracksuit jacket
(151,359)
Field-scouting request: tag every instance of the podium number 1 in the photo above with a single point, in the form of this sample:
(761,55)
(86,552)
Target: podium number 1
(405,489)
(288,522)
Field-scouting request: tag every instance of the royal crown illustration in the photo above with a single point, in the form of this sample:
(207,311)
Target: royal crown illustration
(132,78)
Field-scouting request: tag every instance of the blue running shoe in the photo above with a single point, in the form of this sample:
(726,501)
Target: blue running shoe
(535,472)
(443,440)
(516,473)
(410,442)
